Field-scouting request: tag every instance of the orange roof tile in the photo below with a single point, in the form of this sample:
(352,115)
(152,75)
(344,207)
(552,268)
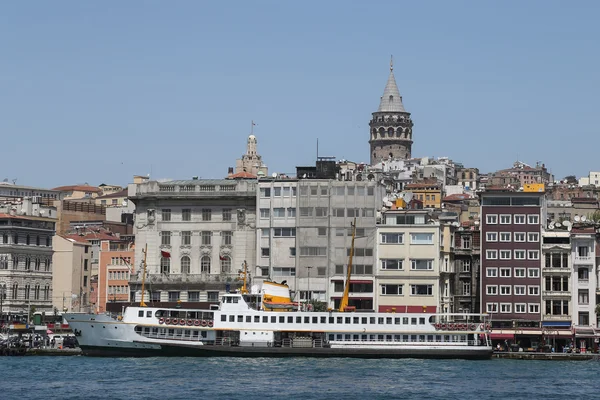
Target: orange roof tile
(242,175)
(79,188)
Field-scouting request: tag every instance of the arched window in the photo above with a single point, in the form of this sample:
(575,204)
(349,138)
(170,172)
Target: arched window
(47,293)
(15,291)
(37,240)
(381,132)
(36,293)
(225,263)
(5,238)
(38,262)
(185,265)
(48,241)
(16,238)
(28,240)
(205,264)
(27,264)
(165,265)
(390,132)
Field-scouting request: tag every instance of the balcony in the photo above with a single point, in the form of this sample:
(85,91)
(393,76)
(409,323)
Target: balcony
(179,280)
(556,270)
(579,259)
(556,293)
(550,317)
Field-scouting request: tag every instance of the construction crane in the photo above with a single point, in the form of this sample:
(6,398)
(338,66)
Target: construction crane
(344,302)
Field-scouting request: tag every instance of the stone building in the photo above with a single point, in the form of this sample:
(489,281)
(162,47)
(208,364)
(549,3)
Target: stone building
(72,273)
(198,233)
(467,249)
(251,162)
(390,126)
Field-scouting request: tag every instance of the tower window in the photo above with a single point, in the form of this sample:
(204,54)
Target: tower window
(391,98)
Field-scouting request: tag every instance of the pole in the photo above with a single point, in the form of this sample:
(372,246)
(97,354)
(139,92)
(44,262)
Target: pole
(142,304)
(308,296)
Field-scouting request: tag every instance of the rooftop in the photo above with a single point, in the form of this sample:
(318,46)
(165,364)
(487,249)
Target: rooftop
(79,188)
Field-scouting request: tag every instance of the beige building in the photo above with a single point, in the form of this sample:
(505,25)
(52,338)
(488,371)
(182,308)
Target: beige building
(72,273)
(113,199)
(77,192)
(109,189)
(251,162)
(408,257)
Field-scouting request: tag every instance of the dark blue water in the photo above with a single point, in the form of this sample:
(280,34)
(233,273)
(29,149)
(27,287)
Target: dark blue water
(229,378)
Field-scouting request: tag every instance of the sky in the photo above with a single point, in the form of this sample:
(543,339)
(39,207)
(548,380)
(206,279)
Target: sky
(98,92)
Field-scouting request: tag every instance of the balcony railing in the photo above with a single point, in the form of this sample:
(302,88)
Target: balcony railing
(186,278)
(583,259)
(556,293)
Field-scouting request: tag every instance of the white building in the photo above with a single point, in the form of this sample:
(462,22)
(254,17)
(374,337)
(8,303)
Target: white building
(584,278)
(593,178)
(408,262)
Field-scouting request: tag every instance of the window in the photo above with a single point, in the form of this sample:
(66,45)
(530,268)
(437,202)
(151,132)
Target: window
(206,214)
(292,252)
(466,287)
(313,190)
(225,264)
(185,265)
(174,296)
(322,231)
(520,308)
(491,254)
(491,237)
(391,264)
(534,290)
(165,238)
(466,242)
(264,213)
(279,213)
(392,238)
(583,296)
(533,272)
(352,212)
(313,251)
(277,191)
(284,232)
(368,212)
(533,219)
(505,254)
(421,265)
(505,290)
(505,236)
(205,264)
(421,238)
(505,272)
(491,290)
(492,219)
(505,308)
(391,290)
(186,238)
(193,296)
(206,238)
(533,237)
(265,192)
(291,212)
(16,238)
(534,308)
(421,290)
(320,211)
(165,265)
(227,214)
(519,290)
(186,214)
(265,252)
(491,272)
(533,254)
(505,219)
(519,254)
(492,307)
(519,272)
(338,212)
(466,265)
(519,236)
(519,219)
(306,211)
(340,191)
(227,236)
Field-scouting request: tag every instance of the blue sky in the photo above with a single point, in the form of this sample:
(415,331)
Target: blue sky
(99,91)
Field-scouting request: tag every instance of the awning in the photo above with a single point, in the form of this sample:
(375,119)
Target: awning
(584,332)
(557,323)
(528,333)
(502,336)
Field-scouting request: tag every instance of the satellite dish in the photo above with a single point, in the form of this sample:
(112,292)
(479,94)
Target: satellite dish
(476,222)
(583,218)
(456,224)
(383,209)
(124,203)
(386,199)
(567,224)
(274,174)
(577,218)
(558,224)
(551,225)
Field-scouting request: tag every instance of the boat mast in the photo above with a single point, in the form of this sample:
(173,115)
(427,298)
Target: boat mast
(244,289)
(142,304)
(344,301)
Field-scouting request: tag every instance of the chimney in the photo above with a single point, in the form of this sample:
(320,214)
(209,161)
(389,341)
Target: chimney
(230,171)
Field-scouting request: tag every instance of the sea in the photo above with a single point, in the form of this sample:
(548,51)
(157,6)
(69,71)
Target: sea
(81,377)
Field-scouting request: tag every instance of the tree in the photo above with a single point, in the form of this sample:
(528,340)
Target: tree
(595,216)
(570,179)
(318,306)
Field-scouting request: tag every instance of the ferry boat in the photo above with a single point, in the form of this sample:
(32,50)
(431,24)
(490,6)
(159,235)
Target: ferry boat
(269,324)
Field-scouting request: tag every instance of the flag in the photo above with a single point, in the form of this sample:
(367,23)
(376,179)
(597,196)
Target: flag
(165,254)
(223,258)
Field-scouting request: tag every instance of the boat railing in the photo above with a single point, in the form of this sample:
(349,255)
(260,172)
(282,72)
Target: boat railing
(451,340)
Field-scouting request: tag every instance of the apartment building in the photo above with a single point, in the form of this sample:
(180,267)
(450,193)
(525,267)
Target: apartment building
(116,266)
(408,258)
(511,226)
(72,273)
(467,255)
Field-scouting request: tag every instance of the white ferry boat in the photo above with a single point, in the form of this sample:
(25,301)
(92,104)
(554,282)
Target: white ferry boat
(269,324)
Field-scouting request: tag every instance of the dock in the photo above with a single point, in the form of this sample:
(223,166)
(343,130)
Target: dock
(523,355)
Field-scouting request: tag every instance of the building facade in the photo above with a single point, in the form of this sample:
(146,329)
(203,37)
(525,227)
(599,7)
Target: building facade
(72,273)
(390,126)
(115,268)
(467,257)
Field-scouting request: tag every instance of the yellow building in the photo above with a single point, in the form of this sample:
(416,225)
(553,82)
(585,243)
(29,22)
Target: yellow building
(430,193)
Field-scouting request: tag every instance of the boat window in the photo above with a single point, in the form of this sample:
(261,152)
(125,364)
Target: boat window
(413,321)
(148,314)
(298,320)
(347,336)
(171,332)
(430,338)
(396,338)
(315,320)
(228,299)
(421,321)
(257,318)
(323,320)
(432,319)
(413,338)
(248,318)
(147,330)
(187,333)
(155,331)
(281,320)
(207,315)
(204,334)
(405,320)
(340,320)
(380,338)
(347,320)
(388,338)
(380,320)
(235,300)
(446,338)
(141,313)
(397,320)
(273,319)
(405,338)
(265,319)
(159,313)
(331,320)
(363,337)
(363,320)
(421,338)
(331,337)
(355,337)
(306,320)
(372,338)
(223,318)
(290,320)
(372,320)
(388,320)
(355,320)
(338,336)
(438,338)
(240,318)
(232,318)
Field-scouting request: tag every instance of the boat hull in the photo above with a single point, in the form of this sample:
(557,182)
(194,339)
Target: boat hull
(172,350)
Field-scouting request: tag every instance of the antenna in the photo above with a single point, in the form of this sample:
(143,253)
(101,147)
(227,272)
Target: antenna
(317,148)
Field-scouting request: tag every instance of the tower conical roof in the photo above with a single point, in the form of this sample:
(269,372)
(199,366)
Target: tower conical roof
(391,100)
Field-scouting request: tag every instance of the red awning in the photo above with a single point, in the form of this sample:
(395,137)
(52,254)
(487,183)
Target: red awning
(500,336)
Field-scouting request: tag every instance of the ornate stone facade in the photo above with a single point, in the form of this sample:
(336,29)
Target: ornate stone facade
(391,126)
